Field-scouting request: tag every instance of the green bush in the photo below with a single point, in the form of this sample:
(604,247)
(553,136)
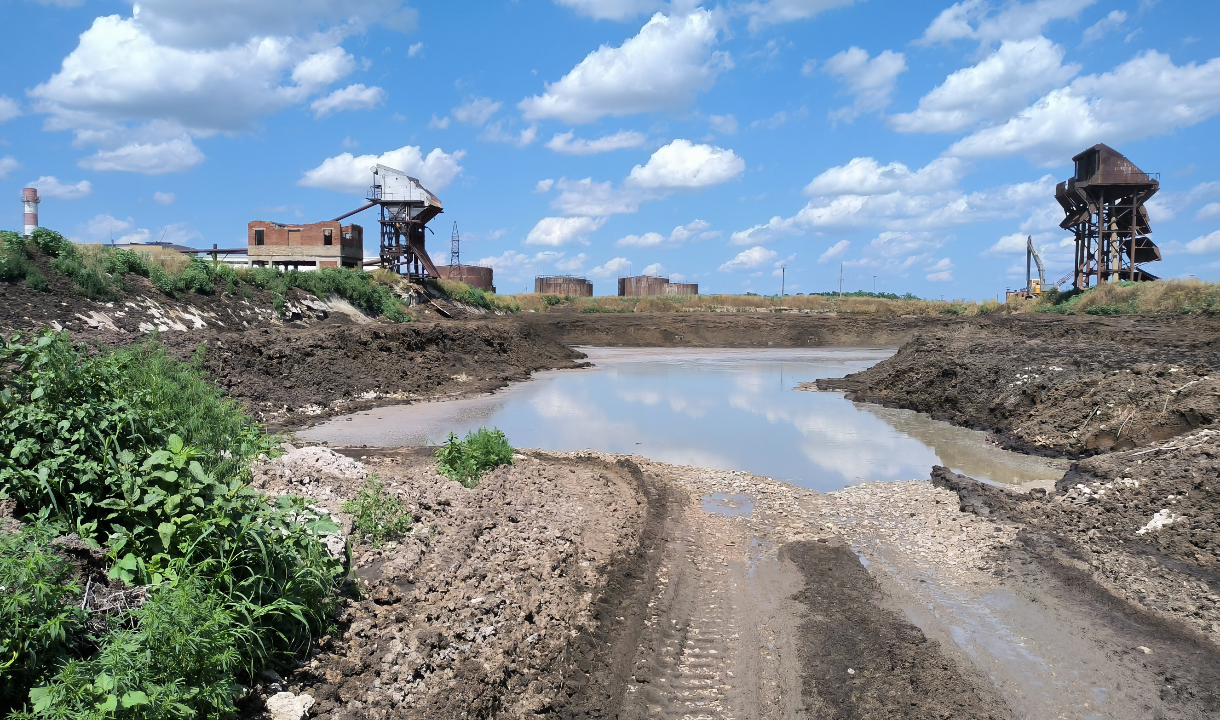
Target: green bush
(376,514)
(88,281)
(52,243)
(122,260)
(11,240)
(138,453)
(36,280)
(466,460)
(179,661)
(38,617)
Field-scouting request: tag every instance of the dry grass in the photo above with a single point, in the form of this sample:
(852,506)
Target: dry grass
(1173,296)
(803,304)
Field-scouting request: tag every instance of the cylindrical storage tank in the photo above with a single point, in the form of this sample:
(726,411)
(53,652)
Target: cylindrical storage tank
(473,275)
(642,286)
(29,203)
(564,285)
(682,289)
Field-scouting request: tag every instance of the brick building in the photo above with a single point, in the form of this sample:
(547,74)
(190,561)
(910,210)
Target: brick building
(318,245)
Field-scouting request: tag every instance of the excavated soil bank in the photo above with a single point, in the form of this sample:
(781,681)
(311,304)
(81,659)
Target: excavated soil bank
(1055,385)
(287,374)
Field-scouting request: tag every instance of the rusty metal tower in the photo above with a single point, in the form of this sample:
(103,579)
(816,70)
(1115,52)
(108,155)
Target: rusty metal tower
(455,254)
(1104,207)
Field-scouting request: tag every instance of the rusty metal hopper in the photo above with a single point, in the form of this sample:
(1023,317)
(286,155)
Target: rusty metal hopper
(1103,205)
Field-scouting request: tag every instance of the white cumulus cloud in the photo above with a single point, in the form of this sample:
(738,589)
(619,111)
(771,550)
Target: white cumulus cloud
(352,97)
(679,235)
(164,198)
(557,231)
(994,89)
(133,85)
(614,267)
(870,81)
(50,186)
(724,124)
(1098,30)
(979,20)
(612,9)
(1208,212)
(750,259)
(568,144)
(594,199)
(774,12)
(348,173)
(941,271)
(151,158)
(682,164)
(1204,243)
(8,163)
(661,68)
(834,251)
(1145,96)
(103,227)
(476,111)
(865,176)
(9,108)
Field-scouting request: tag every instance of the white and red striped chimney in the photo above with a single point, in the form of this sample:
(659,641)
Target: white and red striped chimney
(29,200)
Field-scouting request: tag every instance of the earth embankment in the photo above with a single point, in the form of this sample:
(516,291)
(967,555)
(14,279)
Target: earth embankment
(1056,385)
(727,329)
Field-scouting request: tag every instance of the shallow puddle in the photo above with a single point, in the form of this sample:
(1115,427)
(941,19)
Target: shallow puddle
(723,409)
(730,504)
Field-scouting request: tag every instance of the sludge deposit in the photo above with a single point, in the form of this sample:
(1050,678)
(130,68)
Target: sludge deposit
(597,585)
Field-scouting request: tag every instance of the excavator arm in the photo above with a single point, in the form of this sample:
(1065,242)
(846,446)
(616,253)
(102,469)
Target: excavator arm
(1033,251)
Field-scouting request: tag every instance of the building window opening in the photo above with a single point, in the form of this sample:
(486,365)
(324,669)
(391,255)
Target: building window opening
(258,236)
(327,237)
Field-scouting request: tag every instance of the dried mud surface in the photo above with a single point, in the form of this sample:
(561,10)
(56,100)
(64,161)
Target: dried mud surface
(590,585)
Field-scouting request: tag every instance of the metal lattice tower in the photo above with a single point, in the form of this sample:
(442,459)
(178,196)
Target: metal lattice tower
(455,254)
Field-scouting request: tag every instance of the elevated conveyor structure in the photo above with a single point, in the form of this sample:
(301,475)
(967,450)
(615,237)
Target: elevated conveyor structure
(406,206)
(1103,204)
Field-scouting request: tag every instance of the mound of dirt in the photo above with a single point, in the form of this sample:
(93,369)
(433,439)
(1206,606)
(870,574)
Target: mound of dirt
(492,606)
(1074,386)
(1148,533)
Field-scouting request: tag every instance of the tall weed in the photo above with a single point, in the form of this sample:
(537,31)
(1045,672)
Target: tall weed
(38,617)
(466,460)
(140,454)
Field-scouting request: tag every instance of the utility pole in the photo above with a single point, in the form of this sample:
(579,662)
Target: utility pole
(783,277)
(874,284)
(840,281)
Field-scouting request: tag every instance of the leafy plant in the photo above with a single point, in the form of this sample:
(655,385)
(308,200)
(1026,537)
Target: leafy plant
(175,656)
(37,621)
(466,460)
(377,514)
(137,452)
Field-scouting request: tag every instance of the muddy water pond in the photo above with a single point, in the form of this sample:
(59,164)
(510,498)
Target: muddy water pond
(723,409)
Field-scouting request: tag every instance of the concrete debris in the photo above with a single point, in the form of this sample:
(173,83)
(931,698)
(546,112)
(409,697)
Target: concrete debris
(287,706)
(1161,519)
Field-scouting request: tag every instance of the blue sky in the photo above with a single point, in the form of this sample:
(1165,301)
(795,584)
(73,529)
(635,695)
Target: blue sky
(917,142)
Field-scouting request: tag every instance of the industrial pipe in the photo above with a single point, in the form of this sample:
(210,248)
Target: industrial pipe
(359,209)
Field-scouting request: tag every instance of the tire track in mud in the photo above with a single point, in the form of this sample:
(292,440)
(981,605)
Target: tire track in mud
(718,640)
